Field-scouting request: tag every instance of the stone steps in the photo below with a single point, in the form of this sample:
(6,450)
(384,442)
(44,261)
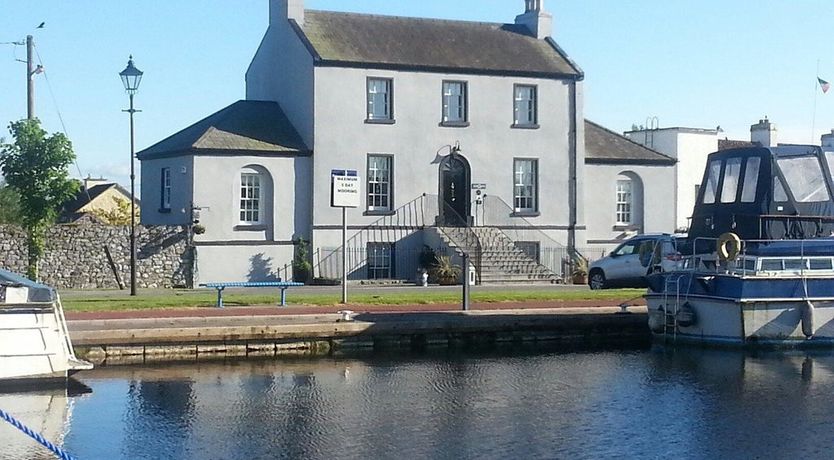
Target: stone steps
(501,261)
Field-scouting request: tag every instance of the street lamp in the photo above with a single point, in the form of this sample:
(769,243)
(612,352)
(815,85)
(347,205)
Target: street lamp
(131,77)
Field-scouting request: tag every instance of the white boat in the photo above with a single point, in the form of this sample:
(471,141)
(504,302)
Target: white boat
(34,343)
(760,265)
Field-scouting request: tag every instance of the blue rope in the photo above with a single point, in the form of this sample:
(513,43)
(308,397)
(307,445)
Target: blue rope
(36,436)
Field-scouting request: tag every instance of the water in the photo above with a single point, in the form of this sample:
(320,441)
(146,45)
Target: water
(606,404)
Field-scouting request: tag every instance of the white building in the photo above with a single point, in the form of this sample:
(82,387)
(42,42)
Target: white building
(690,147)
(464,134)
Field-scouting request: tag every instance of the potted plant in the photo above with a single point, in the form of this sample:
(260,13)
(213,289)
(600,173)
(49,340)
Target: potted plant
(446,272)
(198,229)
(579,271)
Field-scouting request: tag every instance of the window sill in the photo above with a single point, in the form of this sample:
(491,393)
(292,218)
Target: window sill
(626,228)
(454,124)
(379,213)
(533,126)
(165,210)
(249,228)
(525,214)
(390,121)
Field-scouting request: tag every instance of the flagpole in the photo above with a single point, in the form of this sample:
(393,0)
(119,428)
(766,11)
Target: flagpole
(814,117)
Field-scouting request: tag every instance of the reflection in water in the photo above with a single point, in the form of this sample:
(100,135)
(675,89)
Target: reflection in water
(688,403)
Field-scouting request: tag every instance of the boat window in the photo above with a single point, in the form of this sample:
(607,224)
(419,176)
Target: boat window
(796,264)
(771,264)
(712,182)
(732,172)
(751,180)
(779,194)
(750,264)
(805,178)
(821,264)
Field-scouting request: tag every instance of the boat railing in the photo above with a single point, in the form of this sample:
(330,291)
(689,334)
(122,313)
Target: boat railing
(696,258)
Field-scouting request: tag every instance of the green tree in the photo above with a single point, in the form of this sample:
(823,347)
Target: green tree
(120,215)
(35,166)
(9,205)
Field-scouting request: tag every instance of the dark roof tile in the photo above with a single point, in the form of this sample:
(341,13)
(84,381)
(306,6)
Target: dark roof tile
(391,41)
(603,146)
(245,126)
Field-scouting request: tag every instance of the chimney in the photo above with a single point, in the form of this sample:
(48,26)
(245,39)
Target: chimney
(535,18)
(281,10)
(89,182)
(764,133)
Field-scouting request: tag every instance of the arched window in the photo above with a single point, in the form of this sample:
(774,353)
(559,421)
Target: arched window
(629,200)
(254,196)
(625,201)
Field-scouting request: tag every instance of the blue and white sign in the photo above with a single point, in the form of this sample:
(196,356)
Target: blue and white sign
(345,188)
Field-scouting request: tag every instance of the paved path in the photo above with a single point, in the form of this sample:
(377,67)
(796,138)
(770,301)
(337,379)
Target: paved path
(318,310)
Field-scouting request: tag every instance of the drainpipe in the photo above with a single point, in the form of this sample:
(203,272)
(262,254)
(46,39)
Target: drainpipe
(572,185)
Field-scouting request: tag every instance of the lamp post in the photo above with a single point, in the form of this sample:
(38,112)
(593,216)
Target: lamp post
(131,77)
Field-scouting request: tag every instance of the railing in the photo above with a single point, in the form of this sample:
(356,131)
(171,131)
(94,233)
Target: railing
(496,213)
(405,220)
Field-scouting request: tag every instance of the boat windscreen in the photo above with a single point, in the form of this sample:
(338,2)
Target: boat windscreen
(712,181)
(751,180)
(805,178)
(732,171)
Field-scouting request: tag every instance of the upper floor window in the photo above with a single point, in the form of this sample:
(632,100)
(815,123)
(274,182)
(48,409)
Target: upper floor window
(165,197)
(455,103)
(525,185)
(251,198)
(625,201)
(379,182)
(380,100)
(525,106)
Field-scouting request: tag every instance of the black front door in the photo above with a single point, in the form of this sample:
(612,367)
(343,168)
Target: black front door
(454,191)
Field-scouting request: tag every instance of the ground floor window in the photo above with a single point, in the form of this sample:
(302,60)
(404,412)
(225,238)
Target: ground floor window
(380,261)
(624,202)
(530,249)
(525,185)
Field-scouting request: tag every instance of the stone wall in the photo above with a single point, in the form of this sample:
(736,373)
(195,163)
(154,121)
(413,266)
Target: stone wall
(76,255)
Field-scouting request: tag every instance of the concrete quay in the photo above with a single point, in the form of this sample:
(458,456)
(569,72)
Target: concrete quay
(187,335)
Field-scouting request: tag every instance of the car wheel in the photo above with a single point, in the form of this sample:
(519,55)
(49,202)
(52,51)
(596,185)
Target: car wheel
(596,280)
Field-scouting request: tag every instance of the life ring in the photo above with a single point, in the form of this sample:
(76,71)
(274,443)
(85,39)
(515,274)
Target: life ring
(728,246)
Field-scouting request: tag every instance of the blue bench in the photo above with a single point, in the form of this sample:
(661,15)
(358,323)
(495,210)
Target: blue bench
(282,285)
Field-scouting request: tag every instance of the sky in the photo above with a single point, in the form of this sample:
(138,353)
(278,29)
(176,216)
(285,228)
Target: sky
(692,64)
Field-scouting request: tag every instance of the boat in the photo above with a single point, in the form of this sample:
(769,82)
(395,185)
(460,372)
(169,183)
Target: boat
(758,264)
(35,347)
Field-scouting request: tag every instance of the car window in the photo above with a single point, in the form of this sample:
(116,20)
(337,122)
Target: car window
(627,248)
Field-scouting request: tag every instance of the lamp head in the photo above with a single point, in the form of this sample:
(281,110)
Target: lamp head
(131,77)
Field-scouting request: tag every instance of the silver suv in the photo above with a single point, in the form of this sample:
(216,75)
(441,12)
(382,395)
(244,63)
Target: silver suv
(630,262)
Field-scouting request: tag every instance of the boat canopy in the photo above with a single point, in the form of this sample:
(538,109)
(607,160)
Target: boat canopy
(780,192)
(36,292)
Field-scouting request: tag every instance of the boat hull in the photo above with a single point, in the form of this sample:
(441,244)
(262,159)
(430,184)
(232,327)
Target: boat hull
(727,309)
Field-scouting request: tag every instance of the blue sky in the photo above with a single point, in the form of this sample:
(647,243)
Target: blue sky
(694,64)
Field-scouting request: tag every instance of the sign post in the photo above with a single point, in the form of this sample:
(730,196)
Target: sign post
(344,193)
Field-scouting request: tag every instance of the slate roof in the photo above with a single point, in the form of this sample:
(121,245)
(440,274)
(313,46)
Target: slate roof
(253,127)
(348,39)
(603,146)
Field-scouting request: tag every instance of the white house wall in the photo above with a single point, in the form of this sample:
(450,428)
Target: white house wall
(693,150)
(182,179)
(654,208)
(282,71)
(343,141)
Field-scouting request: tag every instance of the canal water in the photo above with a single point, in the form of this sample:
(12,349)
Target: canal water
(658,403)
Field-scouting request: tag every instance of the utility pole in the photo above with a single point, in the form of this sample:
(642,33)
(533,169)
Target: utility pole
(30,78)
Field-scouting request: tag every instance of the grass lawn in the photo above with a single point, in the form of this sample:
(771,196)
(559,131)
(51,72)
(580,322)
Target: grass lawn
(166,299)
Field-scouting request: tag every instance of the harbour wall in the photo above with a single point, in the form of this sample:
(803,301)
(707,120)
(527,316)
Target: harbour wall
(187,339)
(76,255)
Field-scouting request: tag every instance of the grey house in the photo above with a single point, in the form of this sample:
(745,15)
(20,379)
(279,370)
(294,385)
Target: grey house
(468,137)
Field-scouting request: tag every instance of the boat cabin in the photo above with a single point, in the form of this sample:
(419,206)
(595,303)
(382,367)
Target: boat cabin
(763,193)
